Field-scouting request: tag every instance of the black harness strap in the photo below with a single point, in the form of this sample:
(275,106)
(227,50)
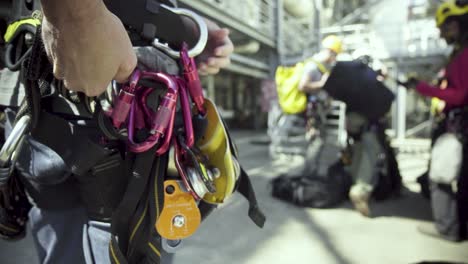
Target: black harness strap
(134,219)
(246,189)
(37,75)
(146,243)
(156,203)
(139,168)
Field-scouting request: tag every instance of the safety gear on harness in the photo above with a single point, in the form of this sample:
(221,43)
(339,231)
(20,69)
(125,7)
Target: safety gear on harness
(121,170)
(333,43)
(18,38)
(287,78)
(207,169)
(201,179)
(214,144)
(14,206)
(450,8)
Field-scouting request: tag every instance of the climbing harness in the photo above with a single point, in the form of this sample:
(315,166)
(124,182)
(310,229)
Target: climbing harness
(154,118)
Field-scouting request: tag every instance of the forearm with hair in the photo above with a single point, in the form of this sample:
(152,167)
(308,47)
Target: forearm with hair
(62,11)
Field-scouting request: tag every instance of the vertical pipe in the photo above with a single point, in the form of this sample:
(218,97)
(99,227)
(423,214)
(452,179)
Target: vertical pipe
(279,30)
(318,5)
(400,112)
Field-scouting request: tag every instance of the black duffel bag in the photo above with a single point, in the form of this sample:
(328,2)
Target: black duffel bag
(314,191)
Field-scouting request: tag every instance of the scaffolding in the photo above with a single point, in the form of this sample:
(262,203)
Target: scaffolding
(400,33)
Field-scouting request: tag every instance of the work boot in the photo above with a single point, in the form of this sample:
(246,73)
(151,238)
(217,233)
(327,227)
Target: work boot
(359,196)
(429,229)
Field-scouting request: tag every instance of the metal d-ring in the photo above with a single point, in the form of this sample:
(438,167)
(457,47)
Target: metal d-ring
(202,28)
(10,150)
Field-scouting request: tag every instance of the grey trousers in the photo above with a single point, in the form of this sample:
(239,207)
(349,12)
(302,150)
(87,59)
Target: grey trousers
(366,154)
(444,210)
(450,206)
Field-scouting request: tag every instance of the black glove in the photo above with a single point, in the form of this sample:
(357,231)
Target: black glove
(409,84)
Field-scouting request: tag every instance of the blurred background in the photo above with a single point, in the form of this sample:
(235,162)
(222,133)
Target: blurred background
(400,33)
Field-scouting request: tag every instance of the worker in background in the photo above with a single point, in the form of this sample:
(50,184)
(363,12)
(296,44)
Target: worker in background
(449,165)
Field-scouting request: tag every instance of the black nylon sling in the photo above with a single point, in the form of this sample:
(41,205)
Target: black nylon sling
(244,186)
(246,189)
(137,209)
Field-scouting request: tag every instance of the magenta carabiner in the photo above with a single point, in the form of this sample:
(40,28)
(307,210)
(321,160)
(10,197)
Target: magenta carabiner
(133,82)
(162,121)
(187,114)
(192,79)
(132,108)
(121,109)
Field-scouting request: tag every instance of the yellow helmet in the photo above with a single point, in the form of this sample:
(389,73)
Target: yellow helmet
(450,8)
(333,43)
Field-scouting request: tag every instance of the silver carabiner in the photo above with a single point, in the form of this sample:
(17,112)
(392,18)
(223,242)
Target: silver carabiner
(13,144)
(202,28)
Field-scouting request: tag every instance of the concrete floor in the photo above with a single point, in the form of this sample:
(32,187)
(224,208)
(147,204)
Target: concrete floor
(298,235)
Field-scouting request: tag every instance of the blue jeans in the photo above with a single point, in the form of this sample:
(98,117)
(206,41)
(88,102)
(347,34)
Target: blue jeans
(60,227)
(66,236)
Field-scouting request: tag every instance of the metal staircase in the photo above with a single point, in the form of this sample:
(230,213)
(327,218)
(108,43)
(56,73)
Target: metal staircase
(336,123)
(266,34)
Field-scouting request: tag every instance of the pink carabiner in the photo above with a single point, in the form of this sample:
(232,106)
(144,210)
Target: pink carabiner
(120,112)
(162,121)
(186,111)
(192,79)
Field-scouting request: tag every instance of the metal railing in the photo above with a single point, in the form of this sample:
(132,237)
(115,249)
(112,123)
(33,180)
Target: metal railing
(258,20)
(254,18)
